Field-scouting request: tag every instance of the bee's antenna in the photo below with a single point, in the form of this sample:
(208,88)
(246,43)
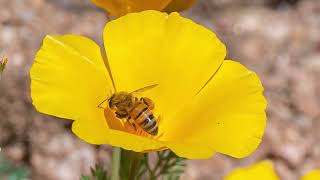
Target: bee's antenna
(99,106)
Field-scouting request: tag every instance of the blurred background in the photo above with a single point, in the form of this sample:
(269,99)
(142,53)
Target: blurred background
(279,39)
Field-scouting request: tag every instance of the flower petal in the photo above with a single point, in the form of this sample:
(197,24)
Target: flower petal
(228,115)
(179,5)
(156,48)
(96,132)
(69,78)
(190,150)
(262,171)
(313,175)
(121,7)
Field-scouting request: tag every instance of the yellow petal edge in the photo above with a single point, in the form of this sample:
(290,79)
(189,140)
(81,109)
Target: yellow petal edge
(261,171)
(179,5)
(312,175)
(123,7)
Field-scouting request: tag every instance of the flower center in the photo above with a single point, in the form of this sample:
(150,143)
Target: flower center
(133,115)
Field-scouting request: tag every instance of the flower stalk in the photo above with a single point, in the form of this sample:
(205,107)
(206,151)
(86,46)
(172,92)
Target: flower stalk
(116,157)
(125,164)
(130,164)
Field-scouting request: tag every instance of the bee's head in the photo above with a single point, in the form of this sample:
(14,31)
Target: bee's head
(122,101)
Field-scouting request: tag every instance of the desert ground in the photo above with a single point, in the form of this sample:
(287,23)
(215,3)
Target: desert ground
(278,39)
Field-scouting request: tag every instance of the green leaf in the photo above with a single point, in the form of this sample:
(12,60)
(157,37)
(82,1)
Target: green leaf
(83,177)
(18,174)
(97,172)
(168,166)
(11,172)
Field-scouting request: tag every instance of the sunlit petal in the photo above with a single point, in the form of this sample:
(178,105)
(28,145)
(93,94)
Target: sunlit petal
(228,115)
(155,48)
(69,78)
(96,132)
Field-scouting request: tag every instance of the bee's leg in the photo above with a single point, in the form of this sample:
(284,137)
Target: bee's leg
(148,102)
(121,114)
(142,132)
(130,121)
(158,119)
(158,136)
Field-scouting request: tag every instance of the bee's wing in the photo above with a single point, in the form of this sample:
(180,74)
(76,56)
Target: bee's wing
(141,90)
(104,103)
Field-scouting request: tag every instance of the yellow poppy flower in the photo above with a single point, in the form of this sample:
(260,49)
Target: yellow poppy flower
(313,175)
(122,7)
(262,171)
(205,104)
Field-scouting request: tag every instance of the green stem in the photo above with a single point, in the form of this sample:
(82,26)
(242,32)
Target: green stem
(130,164)
(116,157)
(134,167)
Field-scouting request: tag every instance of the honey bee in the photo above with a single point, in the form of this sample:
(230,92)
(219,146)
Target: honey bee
(137,111)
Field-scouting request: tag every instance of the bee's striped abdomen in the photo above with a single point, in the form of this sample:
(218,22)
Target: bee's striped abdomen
(149,124)
(144,117)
